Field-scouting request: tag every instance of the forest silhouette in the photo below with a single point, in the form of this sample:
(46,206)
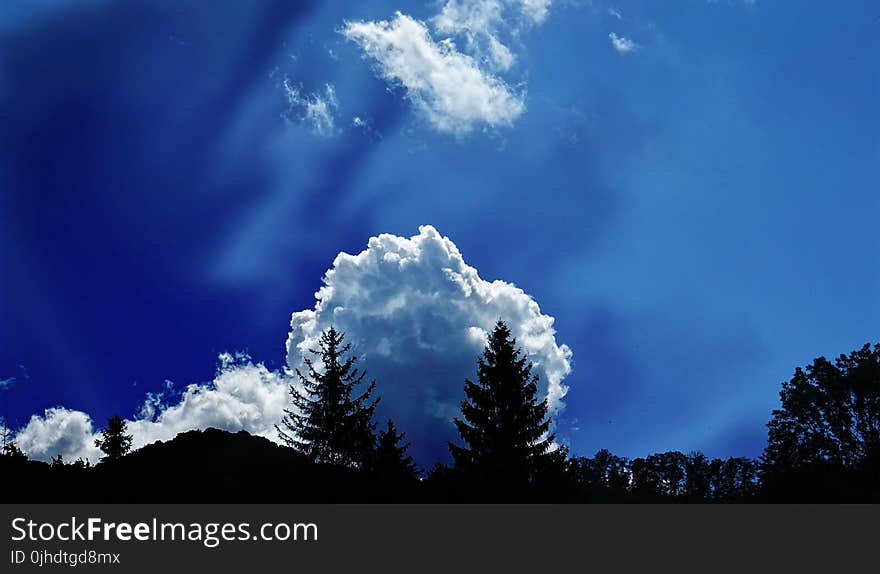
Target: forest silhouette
(823,446)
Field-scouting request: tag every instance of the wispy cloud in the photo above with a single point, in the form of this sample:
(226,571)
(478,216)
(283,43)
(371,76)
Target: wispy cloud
(482,24)
(4,383)
(317,109)
(622,45)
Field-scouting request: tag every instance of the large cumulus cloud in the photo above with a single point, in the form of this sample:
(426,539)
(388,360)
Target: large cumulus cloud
(418,314)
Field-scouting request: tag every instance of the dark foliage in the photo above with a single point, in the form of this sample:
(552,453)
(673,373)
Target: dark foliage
(5,434)
(823,447)
(504,427)
(10,450)
(114,443)
(664,477)
(206,466)
(330,425)
(390,460)
(824,441)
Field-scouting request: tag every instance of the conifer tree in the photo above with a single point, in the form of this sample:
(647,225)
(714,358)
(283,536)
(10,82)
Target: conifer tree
(390,460)
(504,428)
(114,442)
(329,424)
(7,445)
(11,450)
(5,434)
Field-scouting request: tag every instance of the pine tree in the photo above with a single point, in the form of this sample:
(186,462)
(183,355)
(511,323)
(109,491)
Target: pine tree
(504,428)
(328,424)
(5,434)
(114,442)
(11,450)
(390,460)
(7,445)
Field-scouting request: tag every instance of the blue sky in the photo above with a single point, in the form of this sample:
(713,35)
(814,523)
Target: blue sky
(694,199)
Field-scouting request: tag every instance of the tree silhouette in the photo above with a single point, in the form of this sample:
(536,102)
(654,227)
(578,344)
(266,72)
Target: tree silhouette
(646,478)
(11,450)
(5,434)
(504,427)
(328,424)
(114,443)
(830,415)
(7,445)
(660,475)
(698,479)
(603,477)
(57,461)
(390,461)
(733,479)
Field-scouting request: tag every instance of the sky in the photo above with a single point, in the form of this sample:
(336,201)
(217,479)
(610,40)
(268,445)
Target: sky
(674,203)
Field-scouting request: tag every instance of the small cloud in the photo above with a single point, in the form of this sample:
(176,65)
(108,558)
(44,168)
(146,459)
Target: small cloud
(615,13)
(4,383)
(536,9)
(622,45)
(365,126)
(500,54)
(317,109)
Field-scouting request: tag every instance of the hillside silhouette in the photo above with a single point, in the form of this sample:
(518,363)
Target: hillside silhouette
(823,446)
(195,466)
(219,466)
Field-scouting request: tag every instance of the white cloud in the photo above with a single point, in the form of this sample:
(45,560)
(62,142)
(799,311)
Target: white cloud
(446,85)
(59,431)
(615,13)
(365,126)
(243,396)
(419,315)
(482,23)
(469,16)
(500,55)
(316,109)
(6,382)
(621,44)
(477,22)
(536,9)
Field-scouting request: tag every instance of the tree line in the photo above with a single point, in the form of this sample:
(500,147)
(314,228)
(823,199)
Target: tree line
(823,441)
